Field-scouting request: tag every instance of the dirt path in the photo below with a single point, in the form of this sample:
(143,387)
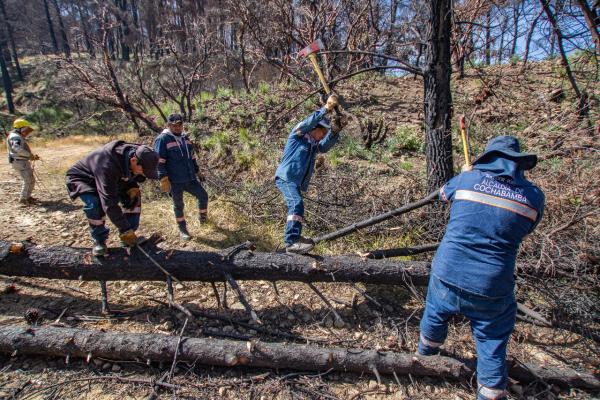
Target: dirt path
(56,219)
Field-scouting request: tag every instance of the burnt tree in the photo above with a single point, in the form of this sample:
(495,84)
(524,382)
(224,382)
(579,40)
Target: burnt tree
(438,98)
(89,344)
(583,106)
(11,40)
(6,81)
(50,26)
(63,32)
(58,262)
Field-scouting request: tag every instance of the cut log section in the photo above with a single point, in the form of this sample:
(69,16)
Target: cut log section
(87,344)
(59,262)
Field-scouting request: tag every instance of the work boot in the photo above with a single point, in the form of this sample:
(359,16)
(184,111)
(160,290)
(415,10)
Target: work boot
(24,202)
(100,249)
(183,233)
(302,246)
(32,200)
(203,218)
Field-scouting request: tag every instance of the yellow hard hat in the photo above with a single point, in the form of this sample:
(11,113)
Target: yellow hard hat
(21,123)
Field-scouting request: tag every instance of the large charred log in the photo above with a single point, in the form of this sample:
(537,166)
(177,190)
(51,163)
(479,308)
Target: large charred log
(59,262)
(88,344)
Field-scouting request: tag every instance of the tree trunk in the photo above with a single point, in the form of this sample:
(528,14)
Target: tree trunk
(11,40)
(590,20)
(50,27)
(488,38)
(438,98)
(58,262)
(503,28)
(516,18)
(582,97)
(63,32)
(529,36)
(85,28)
(7,83)
(124,31)
(89,344)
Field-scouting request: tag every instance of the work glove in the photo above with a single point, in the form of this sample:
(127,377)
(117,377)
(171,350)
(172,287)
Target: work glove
(129,238)
(165,185)
(338,123)
(35,157)
(201,177)
(332,102)
(133,198)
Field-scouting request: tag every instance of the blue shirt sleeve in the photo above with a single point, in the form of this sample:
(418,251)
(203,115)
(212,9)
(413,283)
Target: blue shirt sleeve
(161,148)
(447,191)
(309,123)
(327,142)
(540,211)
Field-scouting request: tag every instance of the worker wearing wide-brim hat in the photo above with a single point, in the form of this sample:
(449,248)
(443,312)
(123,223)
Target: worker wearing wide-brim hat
(20,157)
(493,207)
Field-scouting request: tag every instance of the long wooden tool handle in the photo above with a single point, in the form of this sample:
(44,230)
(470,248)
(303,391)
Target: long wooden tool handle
(153,261)
(315,63)
(465,141)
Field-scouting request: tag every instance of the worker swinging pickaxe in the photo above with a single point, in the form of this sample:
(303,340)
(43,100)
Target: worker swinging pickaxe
(311,51)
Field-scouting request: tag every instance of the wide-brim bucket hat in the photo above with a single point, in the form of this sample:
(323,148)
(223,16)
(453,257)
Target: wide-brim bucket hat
(508,147)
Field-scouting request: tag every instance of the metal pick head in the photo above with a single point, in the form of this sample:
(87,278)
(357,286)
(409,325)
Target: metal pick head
(314,47)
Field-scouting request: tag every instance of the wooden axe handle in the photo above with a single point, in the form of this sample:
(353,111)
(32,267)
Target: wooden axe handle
(315,63)
(465,142)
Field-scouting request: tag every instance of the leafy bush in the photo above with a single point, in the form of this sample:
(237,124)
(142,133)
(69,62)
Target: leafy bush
(406,138)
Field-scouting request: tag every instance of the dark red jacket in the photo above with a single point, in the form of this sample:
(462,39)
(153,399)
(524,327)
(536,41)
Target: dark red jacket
(105,172)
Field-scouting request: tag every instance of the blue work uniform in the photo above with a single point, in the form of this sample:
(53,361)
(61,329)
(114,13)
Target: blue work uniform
(296,168)
(178,162)
(493,207)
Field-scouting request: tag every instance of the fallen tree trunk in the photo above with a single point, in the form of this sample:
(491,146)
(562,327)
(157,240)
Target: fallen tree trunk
(80,343)
(400,252)
(59,262)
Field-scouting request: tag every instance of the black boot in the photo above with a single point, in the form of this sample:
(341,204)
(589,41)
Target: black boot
(183,232)
(100,249)
(203,218)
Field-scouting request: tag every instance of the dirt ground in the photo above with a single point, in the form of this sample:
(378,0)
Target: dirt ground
(392,324)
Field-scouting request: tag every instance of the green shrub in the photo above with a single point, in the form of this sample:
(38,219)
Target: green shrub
(217,143)
(264,88)
(405,138)
(48,116)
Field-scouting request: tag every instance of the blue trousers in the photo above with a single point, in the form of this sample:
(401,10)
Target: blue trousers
(97,218)
(295,204)
(492,322)
(195,189)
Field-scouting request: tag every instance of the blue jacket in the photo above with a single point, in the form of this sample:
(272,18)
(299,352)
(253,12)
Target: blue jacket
(177,159)
(493,208)
(298,161)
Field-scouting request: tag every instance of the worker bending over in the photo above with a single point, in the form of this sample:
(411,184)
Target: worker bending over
(178,171)
(493,208)
(312,136)
(106,177)
(20,157)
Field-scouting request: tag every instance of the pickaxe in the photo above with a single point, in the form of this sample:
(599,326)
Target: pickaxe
(311,51)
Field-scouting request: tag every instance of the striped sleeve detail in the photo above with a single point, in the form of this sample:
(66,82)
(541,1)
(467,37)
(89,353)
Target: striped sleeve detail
(506,204)
(171,144)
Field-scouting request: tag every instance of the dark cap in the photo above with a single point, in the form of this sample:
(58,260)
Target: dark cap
(175,119)
(148,160)
(507,147)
